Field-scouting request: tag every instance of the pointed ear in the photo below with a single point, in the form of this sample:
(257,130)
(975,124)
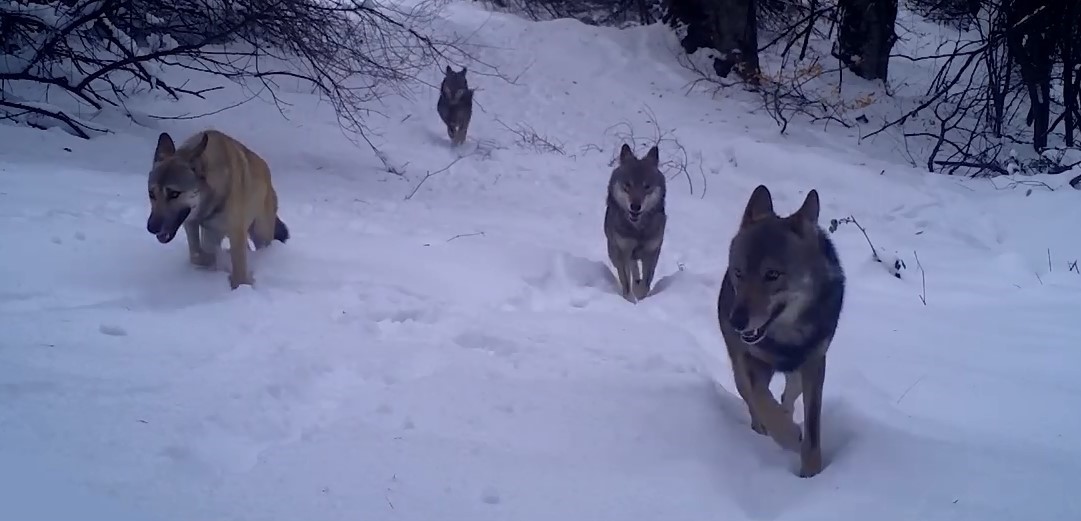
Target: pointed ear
(807,215)
(626,154)
(653,157)
(759,206)
(449,71)
(165,149)
(462,72)
(201,147)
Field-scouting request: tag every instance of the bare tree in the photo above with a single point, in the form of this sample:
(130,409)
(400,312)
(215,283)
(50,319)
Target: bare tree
(866,36)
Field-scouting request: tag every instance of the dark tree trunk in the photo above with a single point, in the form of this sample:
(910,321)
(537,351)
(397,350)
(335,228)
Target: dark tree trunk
(729,27)
(1028,25)
(734,25)
(866,36)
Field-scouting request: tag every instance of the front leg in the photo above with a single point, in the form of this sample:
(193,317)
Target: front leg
(649,268)
(195,246)
(813,374)
(238,254)
(211,244)
(793,387)
(779,426)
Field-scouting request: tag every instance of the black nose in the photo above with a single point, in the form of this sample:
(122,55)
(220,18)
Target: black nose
(153,224)
(739,318)
(635,207)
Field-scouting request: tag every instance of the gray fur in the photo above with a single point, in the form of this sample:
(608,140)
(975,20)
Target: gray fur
(455,105)
(635,235)
(778,309)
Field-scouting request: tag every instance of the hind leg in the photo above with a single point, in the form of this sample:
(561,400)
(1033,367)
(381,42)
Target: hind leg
(261,231)
(460,133)
(793,387)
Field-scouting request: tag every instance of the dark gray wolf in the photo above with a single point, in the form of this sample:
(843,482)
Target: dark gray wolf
(634,220)
(215,187)
(778,310)
(455,105)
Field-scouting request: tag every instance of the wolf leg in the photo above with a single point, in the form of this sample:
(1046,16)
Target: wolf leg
(649,268)
(238,254)
(793,387)
(779,426)
(196,254)
(813,374)
(211,240)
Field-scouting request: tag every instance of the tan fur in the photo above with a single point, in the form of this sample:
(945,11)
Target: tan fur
(238,180)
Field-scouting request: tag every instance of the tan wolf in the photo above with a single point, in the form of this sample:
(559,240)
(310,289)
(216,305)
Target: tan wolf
(215,187)
(778,308)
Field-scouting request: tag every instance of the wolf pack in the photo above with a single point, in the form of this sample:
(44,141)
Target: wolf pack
(778,306)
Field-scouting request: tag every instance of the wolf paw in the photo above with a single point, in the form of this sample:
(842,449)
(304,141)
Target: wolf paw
(641,290)
(759,427)
(203,260)
(810,467)
(236,281)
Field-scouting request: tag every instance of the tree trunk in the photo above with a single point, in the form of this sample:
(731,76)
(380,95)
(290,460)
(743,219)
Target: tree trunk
(866,36)
(734,25)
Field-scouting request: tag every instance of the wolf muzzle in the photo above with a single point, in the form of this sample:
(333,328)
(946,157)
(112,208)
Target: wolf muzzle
(166,231)
(740,319)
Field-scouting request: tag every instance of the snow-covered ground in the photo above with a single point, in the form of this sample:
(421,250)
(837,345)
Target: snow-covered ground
(462,354)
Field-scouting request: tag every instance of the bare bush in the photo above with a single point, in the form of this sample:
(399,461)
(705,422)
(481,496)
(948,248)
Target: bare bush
(100,52)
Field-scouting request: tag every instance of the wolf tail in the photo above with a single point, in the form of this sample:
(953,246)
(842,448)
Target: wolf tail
(281,231)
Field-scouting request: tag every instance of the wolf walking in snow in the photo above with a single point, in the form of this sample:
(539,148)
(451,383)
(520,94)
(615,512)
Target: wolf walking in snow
(778,309)
(634,220)
(455,105)
(215,187)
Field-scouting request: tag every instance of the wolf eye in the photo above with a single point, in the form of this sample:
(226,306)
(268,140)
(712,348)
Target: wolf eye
(738,273)
(152,196)
(172,194)
(646,187)
(771,275)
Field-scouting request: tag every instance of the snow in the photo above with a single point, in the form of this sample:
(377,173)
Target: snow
(462,354)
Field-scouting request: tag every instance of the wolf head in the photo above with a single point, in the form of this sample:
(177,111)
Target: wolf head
(455,87)
(174,186)
(773,263)
(637,185)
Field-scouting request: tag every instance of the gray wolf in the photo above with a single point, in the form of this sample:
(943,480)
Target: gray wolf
(634,220)
(215,187)
(778,309)
(455,105)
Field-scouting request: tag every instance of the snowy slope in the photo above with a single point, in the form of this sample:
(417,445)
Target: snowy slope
(463,355)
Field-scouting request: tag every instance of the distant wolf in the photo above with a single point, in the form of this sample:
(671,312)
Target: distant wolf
(455,104)
(778,309)
(216,187)
(634,220)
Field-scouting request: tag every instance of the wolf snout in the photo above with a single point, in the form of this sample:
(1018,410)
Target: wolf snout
(739,318)
(153,224)
(636,208)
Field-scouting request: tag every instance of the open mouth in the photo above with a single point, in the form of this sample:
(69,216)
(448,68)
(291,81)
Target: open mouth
(634,216)
(754,336)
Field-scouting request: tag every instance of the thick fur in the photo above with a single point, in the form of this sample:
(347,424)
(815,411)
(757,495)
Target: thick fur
(778,308)
(634,220)
(215,187)
(455,105)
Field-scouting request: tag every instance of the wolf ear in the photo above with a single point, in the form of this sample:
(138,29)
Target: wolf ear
(462,72)
(653,157)
(626,154)
(201,147)
(449,71)
(807,215)
(165,149)
(759,206)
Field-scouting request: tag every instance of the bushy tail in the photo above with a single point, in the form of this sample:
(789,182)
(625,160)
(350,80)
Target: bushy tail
(281,231)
